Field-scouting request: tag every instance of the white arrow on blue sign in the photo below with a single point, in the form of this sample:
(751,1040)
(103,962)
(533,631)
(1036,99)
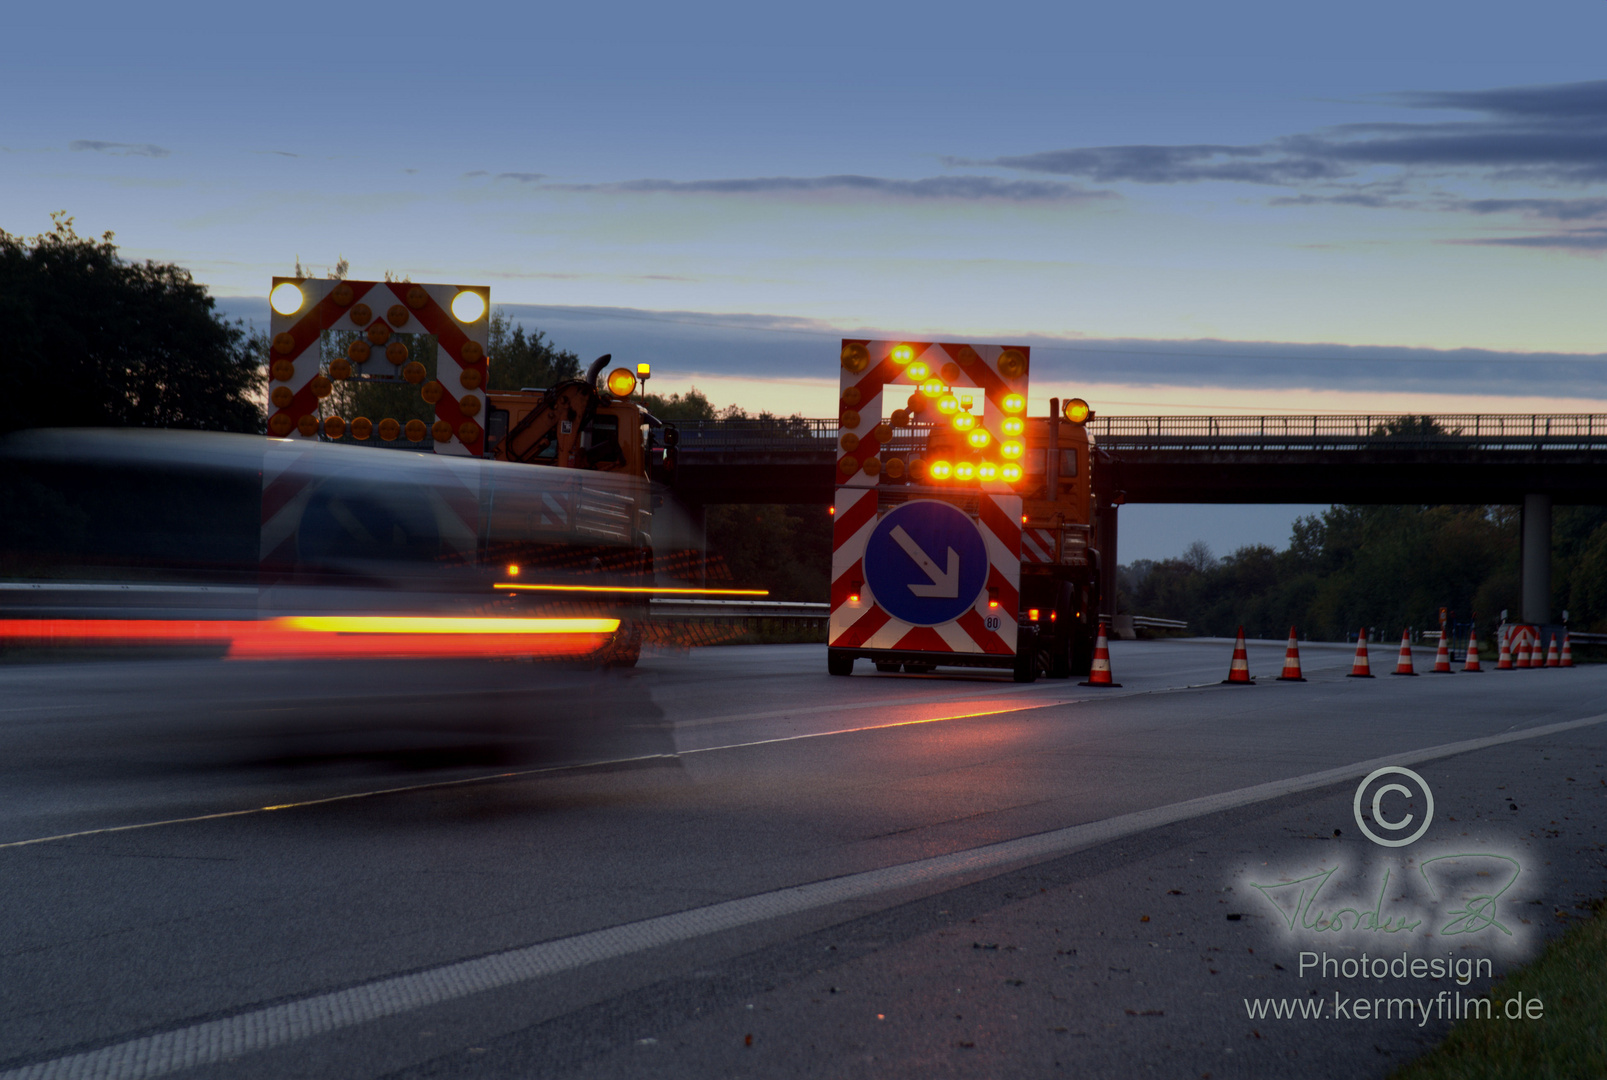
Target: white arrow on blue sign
(925,563)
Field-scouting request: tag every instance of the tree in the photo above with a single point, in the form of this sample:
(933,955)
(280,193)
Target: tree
(94,340)
(519,360)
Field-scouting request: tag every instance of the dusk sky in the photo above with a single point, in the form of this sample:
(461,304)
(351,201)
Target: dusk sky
(1183,208)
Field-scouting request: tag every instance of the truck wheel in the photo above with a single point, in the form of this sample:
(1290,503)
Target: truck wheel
(1026,667)
(839,662)
(1082,650)
(626,647)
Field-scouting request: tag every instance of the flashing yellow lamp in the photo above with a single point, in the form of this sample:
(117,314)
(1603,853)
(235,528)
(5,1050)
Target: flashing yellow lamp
(286,298)
(1010,449)
(1013,403)
(932,387)
(940,470)
(644,371)
(468,306)
(919,370)
(987,471)
(1077,411)
(948,405)
(902,354)
(964,470)
(621,382)
(979,438)
(1010,473)
(964,422)
(1011,425)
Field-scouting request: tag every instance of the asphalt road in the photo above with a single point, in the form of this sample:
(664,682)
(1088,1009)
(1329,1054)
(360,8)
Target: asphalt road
(727,863)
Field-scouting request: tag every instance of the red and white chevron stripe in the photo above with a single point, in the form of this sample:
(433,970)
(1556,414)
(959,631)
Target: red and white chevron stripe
(1038,545)
(460,362)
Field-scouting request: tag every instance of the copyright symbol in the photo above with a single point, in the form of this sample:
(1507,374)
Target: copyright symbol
(1390,817)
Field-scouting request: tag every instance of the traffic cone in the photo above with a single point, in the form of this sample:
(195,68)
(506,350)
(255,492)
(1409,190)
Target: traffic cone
(1504,660)
(1552,659)
(1099,670)
(1359,668)
(1403,662)
(1442,658)
(1291,661)
(1239,669)
(1522,659)
(1472,662)
(1567,651)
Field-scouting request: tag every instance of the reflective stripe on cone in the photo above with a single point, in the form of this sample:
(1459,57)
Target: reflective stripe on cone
(1504,659)
(1442,658)
(1552,659)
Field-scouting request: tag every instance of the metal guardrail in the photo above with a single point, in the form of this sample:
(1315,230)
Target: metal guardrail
(1145,622)
(1338,431)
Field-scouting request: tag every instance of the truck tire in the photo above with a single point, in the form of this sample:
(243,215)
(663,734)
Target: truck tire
(1082,650)
(1026,666)
(626,647)
(839,662)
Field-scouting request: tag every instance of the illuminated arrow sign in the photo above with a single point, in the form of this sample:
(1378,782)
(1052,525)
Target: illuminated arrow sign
(945,584)
(901,561)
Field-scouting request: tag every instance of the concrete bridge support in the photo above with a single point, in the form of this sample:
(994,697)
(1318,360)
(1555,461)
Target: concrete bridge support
(1105,541)
(1534,560)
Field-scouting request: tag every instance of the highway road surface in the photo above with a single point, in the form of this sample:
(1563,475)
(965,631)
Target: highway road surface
(726,863)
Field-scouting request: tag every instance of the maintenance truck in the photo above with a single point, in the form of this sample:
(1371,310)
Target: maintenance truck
(1007,576)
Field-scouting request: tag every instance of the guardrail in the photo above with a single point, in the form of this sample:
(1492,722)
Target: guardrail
(739,609)
(1145,622)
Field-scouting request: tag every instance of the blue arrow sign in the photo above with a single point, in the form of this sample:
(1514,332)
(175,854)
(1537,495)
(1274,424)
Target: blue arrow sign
(925,563)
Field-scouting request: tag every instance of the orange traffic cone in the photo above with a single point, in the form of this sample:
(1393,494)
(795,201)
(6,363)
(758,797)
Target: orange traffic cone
(1403,662)
(1504,660)
(1552,659)
(1472,662)
(1522,659)
(1291,661)
(1442,658)
(1239,669)
(1567,651)
(1099,670)
(1359,668)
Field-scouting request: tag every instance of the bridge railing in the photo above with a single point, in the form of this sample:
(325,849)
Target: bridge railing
(1560,431)
(1338,431)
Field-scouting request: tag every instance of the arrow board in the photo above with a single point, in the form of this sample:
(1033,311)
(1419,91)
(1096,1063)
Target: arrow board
(925,563)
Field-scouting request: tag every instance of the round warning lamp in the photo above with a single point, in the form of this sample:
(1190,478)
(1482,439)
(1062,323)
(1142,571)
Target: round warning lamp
(1077,411)
(987,471)
(286,298)
(1010,449)
(902,354)
(1010,473)
(932,387)
(964,422)
(964,470)
(468,306)
(940,470)
(1013,403)
(919,371)
(979,438)
(621,381)
(1012,425)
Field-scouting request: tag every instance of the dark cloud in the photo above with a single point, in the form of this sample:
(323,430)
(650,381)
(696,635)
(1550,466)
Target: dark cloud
(120,149)
(930,188)
(1355,198)
(521,177)
(476,172)
(1554,133)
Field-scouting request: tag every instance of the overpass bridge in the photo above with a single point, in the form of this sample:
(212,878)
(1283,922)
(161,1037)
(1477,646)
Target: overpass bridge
(1531,460)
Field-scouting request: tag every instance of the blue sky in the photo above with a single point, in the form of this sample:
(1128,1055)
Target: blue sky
(1237,207)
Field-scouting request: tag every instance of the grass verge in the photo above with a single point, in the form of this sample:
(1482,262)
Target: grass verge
(1569,1041)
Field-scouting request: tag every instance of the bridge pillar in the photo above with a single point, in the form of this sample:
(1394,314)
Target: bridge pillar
(1105,540)
(1534,558)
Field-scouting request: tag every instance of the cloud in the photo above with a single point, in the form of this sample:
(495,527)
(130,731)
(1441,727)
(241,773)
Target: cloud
(522,177)
(476,172)
(275,153)
(1552,209)
(969,188)
(119,149)
(1576,240)
(1556,133)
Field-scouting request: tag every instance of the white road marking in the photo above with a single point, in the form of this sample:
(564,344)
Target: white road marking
(278,1025)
